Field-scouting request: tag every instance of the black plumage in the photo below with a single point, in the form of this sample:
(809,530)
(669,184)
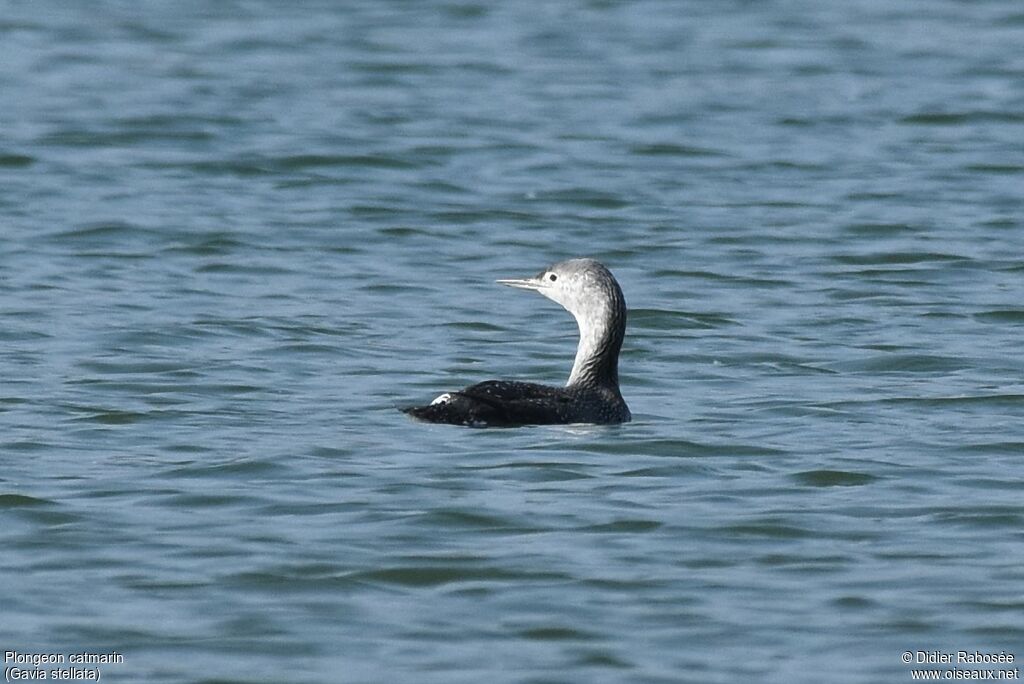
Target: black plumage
(506,403)
(588,291)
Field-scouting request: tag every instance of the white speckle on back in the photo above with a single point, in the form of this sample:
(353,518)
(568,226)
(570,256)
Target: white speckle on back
(443,399)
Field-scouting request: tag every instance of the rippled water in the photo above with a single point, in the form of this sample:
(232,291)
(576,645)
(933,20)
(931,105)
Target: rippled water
(237,235)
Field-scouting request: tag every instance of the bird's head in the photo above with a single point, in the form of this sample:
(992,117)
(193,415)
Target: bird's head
(583,286)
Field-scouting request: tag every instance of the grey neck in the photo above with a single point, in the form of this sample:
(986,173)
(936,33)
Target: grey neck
(602,328)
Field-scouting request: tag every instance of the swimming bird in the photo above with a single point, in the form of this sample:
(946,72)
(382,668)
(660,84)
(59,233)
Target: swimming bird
(587,290)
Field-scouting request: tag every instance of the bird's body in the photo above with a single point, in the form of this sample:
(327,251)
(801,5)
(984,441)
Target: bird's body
(588,291)
(506,403)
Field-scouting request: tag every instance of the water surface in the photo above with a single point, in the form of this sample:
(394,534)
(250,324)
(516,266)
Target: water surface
(237,236)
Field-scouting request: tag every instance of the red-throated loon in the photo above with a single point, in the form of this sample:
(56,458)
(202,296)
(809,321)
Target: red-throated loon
(591,294)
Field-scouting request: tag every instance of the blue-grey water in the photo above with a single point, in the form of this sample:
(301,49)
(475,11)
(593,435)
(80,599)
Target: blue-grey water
(237,235)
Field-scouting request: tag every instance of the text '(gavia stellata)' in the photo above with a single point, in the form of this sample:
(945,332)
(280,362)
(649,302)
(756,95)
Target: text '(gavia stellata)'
(591,294)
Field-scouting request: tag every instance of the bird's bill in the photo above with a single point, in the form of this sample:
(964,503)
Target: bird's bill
(522,283)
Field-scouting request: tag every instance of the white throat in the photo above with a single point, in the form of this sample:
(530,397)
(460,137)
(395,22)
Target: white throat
(593,326)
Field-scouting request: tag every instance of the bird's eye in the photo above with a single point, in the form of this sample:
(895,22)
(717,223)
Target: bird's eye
(552,277)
